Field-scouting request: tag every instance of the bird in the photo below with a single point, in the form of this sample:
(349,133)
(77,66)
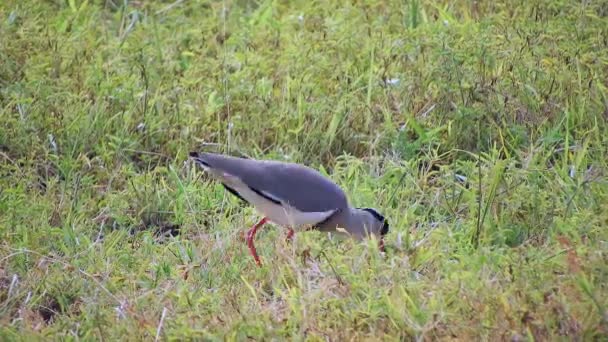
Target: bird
(291,195)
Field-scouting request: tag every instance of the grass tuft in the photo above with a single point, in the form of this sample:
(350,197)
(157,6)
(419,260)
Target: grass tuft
(477,128)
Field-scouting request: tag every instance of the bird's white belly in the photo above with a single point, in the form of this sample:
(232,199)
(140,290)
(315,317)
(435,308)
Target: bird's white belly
(287,215)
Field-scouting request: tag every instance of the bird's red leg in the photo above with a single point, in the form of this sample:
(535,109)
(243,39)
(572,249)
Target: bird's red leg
(251,237)
(290,234)
(381,245)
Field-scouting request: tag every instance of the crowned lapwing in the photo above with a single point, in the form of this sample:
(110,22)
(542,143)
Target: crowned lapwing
(291,195)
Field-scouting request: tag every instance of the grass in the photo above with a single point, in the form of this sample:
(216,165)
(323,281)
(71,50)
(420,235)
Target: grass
(478,128)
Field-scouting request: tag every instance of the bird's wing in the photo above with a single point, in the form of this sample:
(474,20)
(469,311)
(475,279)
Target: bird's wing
(297,185)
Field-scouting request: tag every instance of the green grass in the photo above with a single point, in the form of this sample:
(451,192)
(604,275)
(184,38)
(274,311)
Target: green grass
(477,127)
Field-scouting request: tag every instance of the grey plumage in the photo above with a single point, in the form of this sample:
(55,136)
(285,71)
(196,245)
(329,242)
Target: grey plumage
(281,180)
(292,195)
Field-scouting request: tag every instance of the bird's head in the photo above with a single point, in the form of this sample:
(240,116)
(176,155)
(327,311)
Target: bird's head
(374,222)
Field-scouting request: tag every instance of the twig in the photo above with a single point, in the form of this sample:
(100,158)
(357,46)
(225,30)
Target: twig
(160,323)
(169,7)
(340,281)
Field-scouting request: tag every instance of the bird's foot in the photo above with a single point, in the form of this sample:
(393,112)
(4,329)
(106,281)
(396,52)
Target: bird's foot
(290,235)
(381,245)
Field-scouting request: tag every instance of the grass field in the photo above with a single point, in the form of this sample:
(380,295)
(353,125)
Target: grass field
(479,128)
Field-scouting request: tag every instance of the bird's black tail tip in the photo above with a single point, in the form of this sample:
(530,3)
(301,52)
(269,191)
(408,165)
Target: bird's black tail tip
(198,158)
